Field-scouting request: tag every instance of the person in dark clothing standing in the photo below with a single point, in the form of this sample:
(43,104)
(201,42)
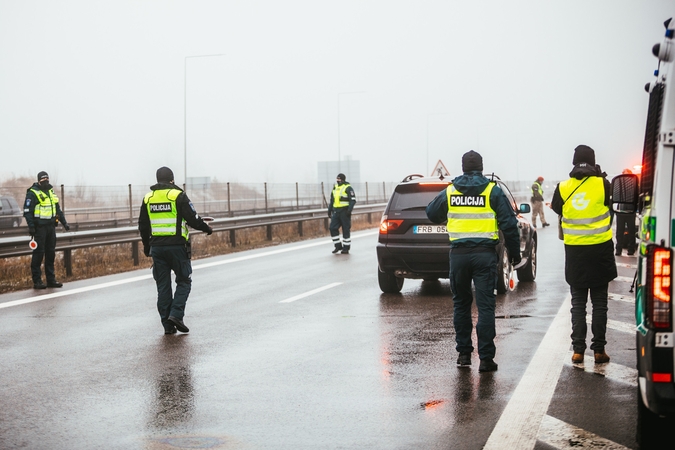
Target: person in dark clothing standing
(583,201)
(625,230)
(475,209)
(342,201)
(163,222)
(42,212)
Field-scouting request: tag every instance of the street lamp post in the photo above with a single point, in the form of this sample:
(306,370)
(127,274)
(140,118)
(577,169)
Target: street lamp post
(340,94)
(429,115)
(185,109)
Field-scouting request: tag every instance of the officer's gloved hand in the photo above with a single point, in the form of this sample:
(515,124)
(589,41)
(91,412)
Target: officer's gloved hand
(210,231)
(31,231)
(329,213)
(516,260)
(146,250)
(66,226)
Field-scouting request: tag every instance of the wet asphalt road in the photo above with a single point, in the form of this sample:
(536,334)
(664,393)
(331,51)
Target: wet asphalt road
(280,356)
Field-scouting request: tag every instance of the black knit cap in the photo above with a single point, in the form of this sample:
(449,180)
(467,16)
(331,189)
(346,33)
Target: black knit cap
(164,175)
(472,162)
(584,154)
(341,176)
(42,175)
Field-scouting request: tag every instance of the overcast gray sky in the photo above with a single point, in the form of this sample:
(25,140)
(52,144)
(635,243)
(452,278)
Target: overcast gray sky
(94,91)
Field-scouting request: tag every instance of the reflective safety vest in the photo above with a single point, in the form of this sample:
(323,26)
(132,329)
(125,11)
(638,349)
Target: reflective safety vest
(163,213)
(471,216)
(340,197)
(541,191)
(46,206)
(586,219)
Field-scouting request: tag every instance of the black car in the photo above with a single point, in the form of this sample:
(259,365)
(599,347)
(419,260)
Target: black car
(10,212)
(411,246)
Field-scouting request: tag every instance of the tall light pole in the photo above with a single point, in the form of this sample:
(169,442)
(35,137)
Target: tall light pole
(185,109)
(339,95)
(429,115)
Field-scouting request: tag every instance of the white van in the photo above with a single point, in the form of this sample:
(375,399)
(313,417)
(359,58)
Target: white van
(654,201)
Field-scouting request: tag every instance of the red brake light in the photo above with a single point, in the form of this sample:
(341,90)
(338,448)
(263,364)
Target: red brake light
(662,377)
(658,283)
(388,225)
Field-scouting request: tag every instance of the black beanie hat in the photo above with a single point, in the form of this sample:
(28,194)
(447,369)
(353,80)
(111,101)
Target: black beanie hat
(42,175)
(341,176)
(164,175)
(472,162)
(584,154)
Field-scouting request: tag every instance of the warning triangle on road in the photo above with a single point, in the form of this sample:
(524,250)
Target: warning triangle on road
(440,170)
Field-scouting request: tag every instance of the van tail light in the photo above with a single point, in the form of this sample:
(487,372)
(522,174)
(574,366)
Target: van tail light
(662,378)
(658,283)
(387,225)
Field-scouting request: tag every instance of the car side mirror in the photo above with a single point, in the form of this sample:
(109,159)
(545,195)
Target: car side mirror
(625,193)
(524,208)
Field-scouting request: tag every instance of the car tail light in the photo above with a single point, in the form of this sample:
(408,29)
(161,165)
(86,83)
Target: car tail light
(387,225)
(658,282)
(662,377)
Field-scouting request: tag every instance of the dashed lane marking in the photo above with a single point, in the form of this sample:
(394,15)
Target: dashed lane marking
(610,370)
(563,436)
(194,267)
(519,423)
(312,292)
(626,279)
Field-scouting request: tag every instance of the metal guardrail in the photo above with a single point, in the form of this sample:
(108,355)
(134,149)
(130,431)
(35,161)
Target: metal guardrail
(68,241)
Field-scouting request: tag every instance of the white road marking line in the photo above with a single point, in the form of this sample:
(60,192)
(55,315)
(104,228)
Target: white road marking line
(312,292)
(519,423)
(563,436)
(615,372)
(615,325)
(622,298)
(149,276)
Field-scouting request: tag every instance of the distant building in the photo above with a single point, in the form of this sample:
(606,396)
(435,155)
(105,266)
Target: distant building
(328,170)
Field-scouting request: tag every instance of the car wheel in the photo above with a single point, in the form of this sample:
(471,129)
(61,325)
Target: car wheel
(652,430)
(389,283)
(504,272)
(529,271)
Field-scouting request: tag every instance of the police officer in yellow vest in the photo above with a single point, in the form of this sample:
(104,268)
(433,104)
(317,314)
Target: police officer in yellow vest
(163,222)
(342,201)
(475,209)
(42,212)
(584,203)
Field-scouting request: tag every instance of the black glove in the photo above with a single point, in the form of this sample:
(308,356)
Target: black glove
(146,250)
(209,231)
(330,213)
(66,226)
(31,231)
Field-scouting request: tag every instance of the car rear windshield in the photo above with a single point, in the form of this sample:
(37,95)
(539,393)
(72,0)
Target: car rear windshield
(414,196)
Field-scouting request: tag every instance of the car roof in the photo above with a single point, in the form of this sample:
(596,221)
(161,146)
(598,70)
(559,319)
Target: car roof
(417,179)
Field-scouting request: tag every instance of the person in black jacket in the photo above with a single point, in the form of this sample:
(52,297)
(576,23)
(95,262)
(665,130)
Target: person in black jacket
(163,220)
(42,212)
(584,203)
(478,210)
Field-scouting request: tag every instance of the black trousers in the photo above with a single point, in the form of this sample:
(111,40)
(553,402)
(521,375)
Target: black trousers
(45,237)
(341,218)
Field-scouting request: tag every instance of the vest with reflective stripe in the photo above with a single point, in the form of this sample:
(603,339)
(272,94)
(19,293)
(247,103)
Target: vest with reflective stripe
(340,197)
(586,219)
(46,207)
(163,213)
(471,216)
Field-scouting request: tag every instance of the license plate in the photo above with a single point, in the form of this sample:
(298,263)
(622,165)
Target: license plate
(429,229)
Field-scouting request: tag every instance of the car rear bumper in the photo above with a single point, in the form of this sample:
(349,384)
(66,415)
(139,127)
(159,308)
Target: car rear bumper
(414,261)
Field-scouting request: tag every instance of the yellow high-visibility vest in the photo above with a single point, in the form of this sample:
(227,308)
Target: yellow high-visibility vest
(46,206)
(471,216)
(163,213)
(340,197)
(586,219)
(539,189)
